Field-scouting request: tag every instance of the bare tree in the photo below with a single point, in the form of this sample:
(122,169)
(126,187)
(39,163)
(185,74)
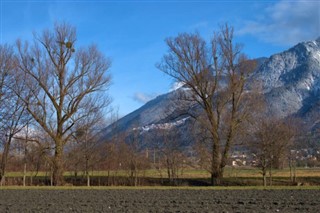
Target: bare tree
(85,149)
(109,152)
(216,77)
(35,151)
(270,144)
(63,85)
(133,156)
(167,150)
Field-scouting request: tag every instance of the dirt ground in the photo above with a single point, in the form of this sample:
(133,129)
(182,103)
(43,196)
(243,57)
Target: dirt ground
(124,200)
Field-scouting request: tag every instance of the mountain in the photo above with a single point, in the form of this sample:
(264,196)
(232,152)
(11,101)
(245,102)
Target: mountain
(290,83)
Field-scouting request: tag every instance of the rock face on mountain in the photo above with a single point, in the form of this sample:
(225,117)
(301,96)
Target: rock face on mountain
(290,83)
(291,79)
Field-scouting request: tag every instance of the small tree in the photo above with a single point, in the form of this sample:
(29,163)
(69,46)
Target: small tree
(170,150)
(134,160)
(270,144)
(84,152)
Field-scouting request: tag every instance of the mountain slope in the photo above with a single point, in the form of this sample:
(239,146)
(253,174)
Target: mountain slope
(161,110)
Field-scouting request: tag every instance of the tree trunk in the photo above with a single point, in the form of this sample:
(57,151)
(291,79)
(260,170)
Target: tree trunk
(294,172)
(108,172)
(270,175)
(216,172)
(171,172)
(290,167)
(51,179)
(216,177)
(264,180)
(4,160)
(88,179)
(87,171)
(135,177)
(3,180)
(264,175)
(57,175)
(24,173)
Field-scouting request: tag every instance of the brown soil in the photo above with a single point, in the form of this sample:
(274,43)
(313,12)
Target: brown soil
(124,200)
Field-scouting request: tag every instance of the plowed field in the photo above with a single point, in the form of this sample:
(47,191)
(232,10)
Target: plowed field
(180,200)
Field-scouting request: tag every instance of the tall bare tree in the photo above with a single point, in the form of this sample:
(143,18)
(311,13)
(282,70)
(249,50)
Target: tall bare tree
(64,84)
(216,77)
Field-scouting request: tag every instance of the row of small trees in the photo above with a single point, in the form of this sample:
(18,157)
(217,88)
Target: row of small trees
(122,160)
(125,159)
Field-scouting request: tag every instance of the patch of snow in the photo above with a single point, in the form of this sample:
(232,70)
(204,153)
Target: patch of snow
(308,83)
(164,126)
(145,128)
(176,86)
(316,55)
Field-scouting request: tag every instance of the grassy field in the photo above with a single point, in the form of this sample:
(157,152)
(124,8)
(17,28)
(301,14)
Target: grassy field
(253,172)
(230,172)
(233,177)
(165,187)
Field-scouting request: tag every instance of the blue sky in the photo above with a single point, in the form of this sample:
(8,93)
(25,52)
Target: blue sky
(132,33)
